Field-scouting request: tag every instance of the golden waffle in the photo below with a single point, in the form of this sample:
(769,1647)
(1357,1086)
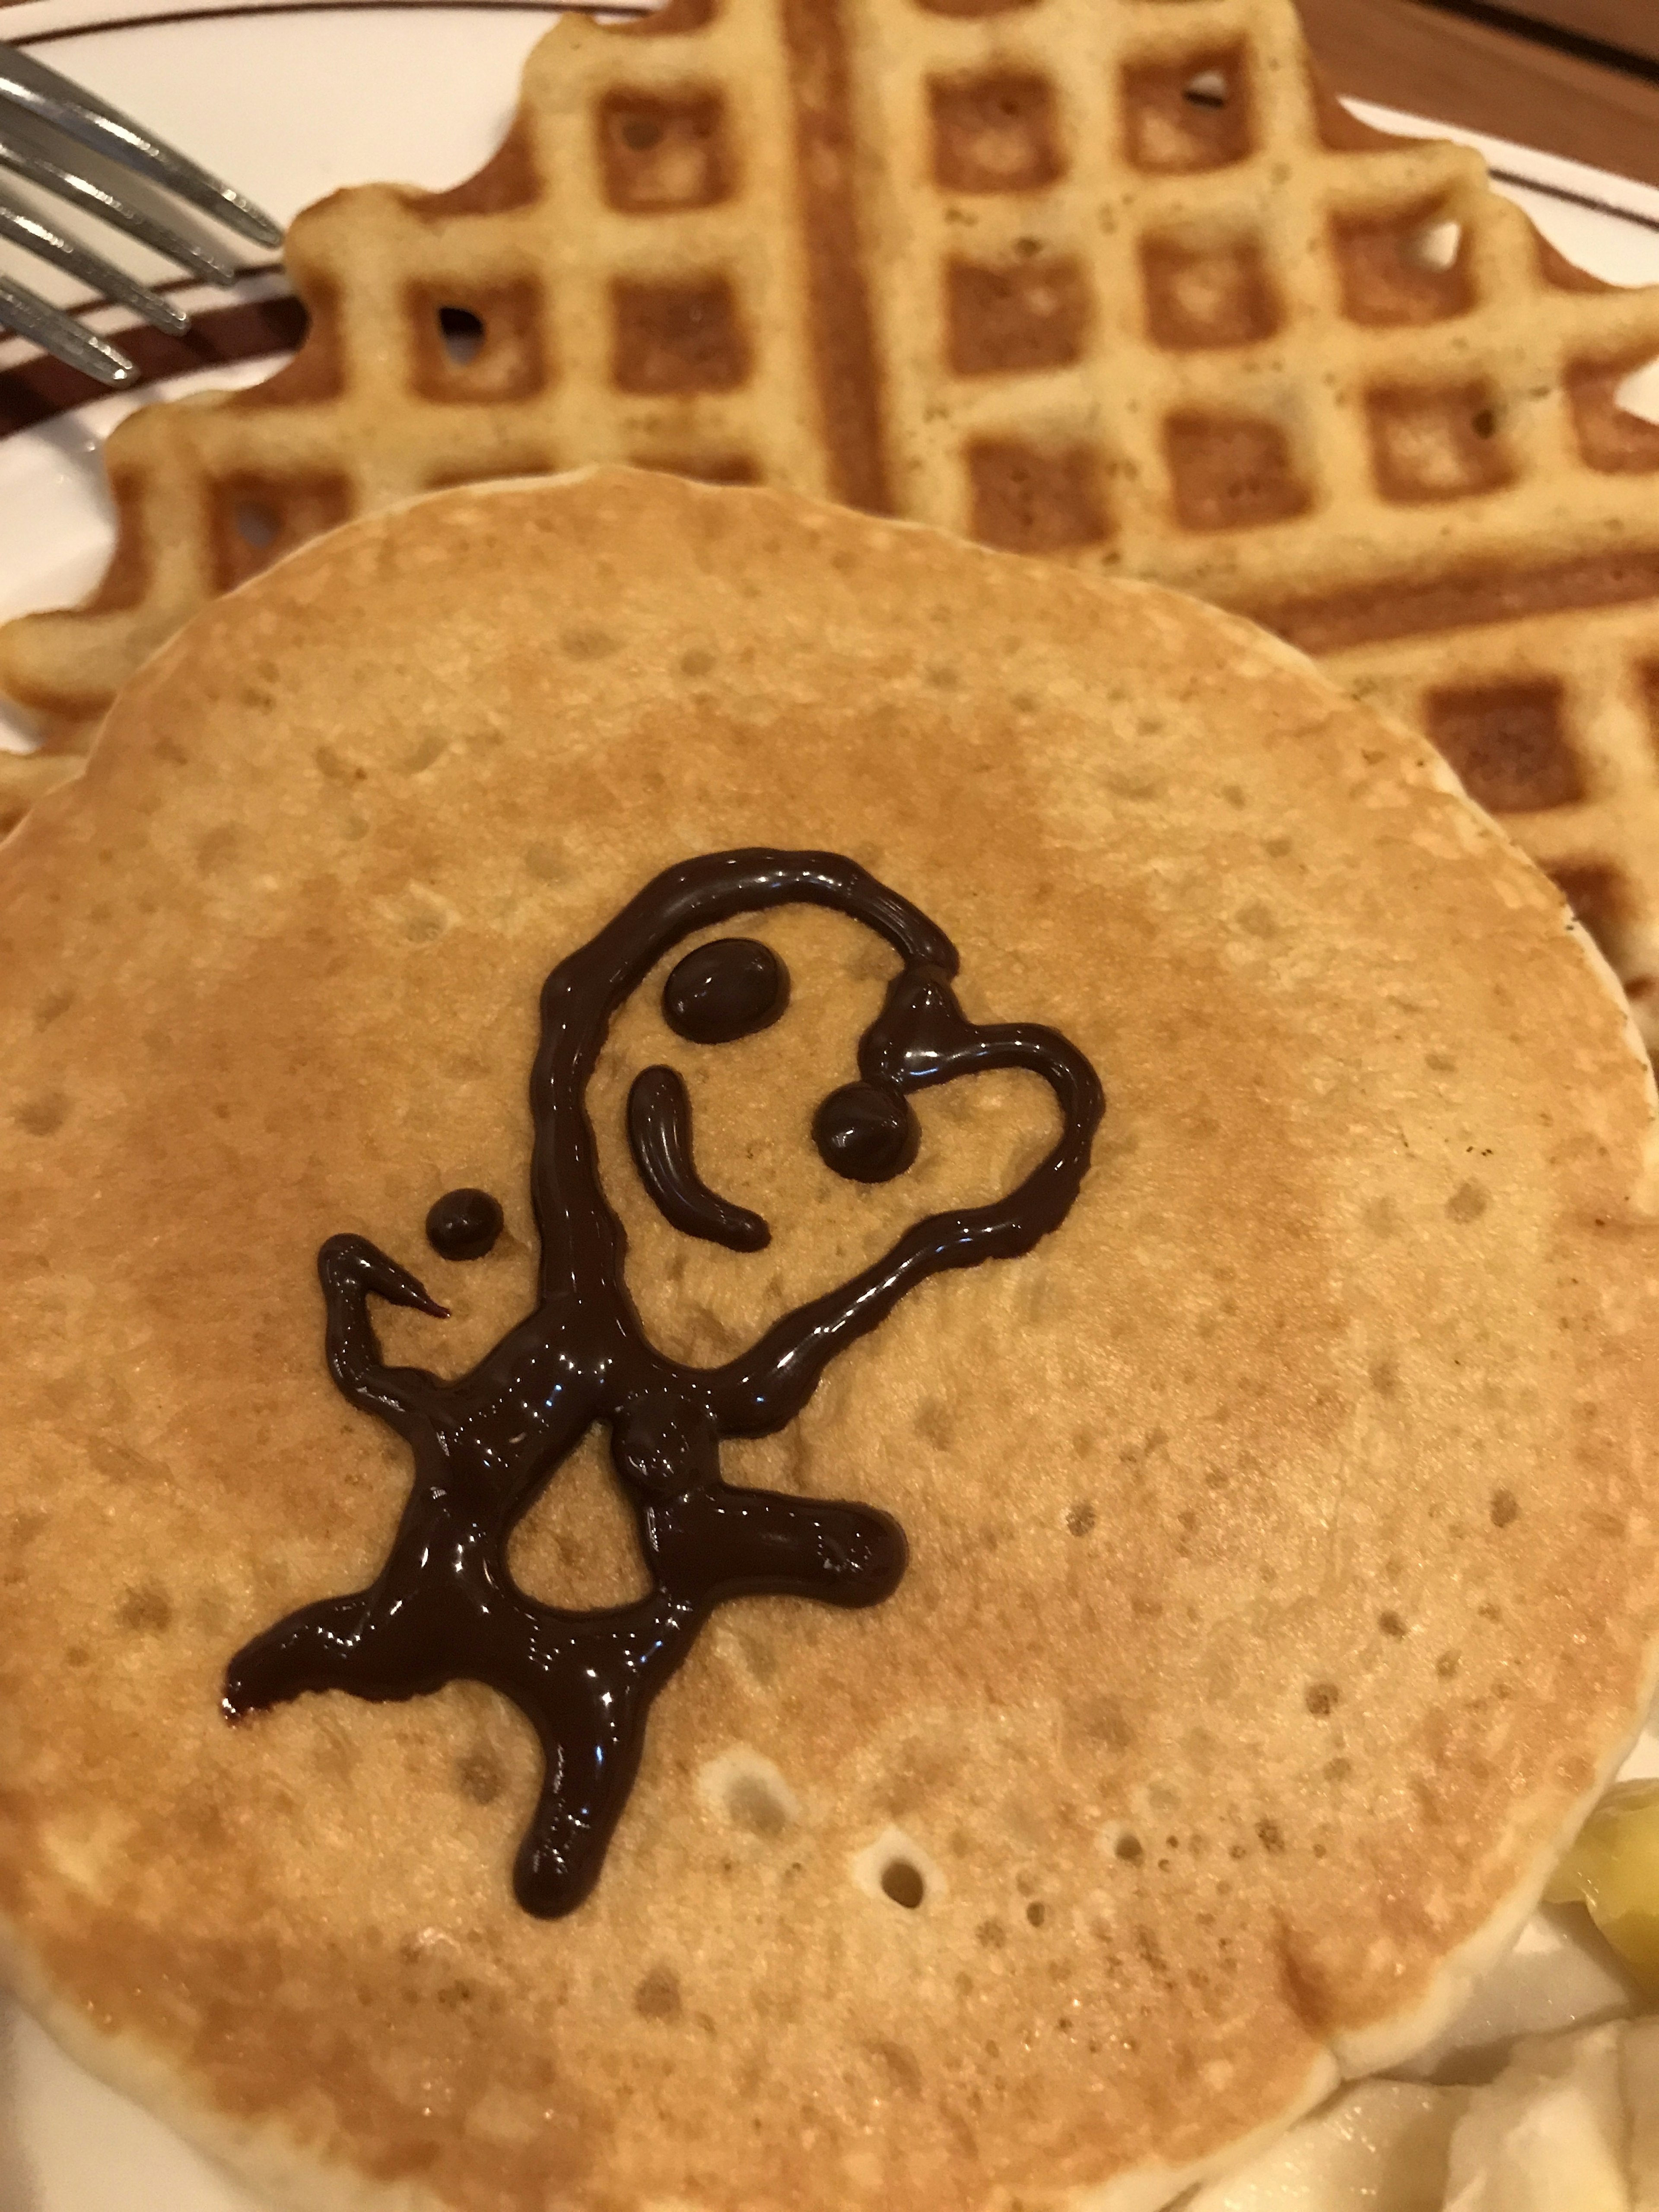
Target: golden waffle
(1109,280)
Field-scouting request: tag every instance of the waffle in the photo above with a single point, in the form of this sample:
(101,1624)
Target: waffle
(1114,281)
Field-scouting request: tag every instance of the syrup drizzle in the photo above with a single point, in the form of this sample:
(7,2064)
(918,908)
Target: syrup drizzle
(444,1606)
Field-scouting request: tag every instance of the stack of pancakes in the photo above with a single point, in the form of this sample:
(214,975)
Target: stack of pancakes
(1283,1574)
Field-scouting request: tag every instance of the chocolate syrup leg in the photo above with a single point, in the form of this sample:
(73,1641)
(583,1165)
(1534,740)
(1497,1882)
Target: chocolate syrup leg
(585,1685)
(394,1640)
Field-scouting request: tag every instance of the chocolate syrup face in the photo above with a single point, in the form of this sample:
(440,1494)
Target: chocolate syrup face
(444,1608)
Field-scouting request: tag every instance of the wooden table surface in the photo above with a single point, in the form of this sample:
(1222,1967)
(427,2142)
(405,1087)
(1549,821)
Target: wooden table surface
(1578,76)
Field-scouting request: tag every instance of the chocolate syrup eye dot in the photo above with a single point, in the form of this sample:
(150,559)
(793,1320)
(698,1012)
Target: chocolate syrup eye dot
(726,990)
(866,1135)
(464,1224)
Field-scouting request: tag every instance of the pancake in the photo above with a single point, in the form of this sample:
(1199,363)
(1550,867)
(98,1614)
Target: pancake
(1282,1578)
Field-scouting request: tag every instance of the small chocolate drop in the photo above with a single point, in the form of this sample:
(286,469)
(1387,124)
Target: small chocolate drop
(464,1224)
(865,1134)
(726,990)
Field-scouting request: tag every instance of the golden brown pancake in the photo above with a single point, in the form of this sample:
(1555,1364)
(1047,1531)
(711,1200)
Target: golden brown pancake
(1283,1573)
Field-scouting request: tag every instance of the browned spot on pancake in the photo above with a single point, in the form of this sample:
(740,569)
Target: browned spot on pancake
(1231,471)
(1447,1664)
(934,1425)
(1037,1912)
(1270,1836)
(1438,442)
(1391,1624)
(991,1934)
(1012,320)
(995,133)
(670,338)
(658,1994)
(470,342)
(478,1777)
(255,519)
(42,1116)
(1190,114)
(1322,1698)
(1031,501)
(588,642)
(1129,1849)
(1469,1201)
(1508,742)
(1505,1509)
(1386,275)
(1080,1518)
(147,1609)
(900,2065)
(1610,438)
(658,151)
(1204,292)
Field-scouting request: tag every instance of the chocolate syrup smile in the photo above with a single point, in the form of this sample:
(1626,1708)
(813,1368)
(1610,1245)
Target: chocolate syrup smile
(444,1606)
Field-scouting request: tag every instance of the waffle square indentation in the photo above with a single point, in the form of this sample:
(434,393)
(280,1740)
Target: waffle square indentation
(997,133)
(677,17)
(701,468)
(1598,897)
(659,152)
(1435,444)
(677,338)
(1027,499)
(1231,471)
(1616,443)
(1207,291)
(507,358)
(1016,319)
(1508,742)
(1188,115)
(1390,273)
(255,519)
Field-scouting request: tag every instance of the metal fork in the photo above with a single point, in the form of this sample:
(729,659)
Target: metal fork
(52,110)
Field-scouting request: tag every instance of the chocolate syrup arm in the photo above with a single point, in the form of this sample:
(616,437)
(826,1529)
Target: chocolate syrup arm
(767,1386)
(351,1269)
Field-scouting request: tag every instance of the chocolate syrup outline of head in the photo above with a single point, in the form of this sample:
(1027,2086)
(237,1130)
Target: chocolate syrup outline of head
(444,1608)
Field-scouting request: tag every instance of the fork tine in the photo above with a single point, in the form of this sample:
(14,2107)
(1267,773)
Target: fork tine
(39,168)
(24,229)
(41,92)
(33,318)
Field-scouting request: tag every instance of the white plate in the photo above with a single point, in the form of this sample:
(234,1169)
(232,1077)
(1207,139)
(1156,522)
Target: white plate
(271,95)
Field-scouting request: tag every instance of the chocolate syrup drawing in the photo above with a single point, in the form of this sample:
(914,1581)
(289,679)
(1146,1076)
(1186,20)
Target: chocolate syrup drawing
(444,1606)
